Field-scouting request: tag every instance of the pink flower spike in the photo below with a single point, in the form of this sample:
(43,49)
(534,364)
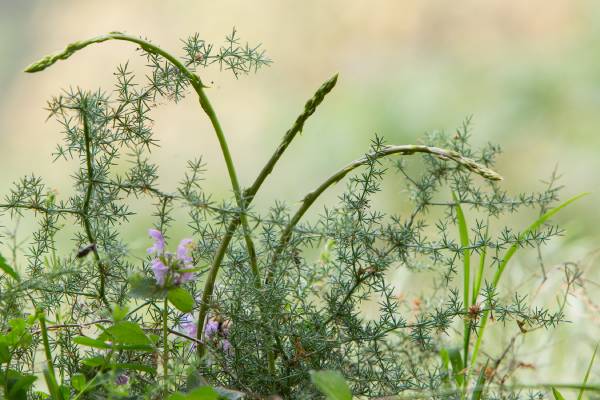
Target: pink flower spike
(160,271)
(183,251)
(159,241)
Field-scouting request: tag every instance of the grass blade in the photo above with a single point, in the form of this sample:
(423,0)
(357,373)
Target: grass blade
(539,222)
(479,274)
(463,232)
(332,384)
(480,384)
(509,253)
(8,269)
(587,374)
(445,357)
(557,395)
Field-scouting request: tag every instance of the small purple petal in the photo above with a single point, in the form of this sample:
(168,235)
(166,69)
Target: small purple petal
(189,327)
(122,380)
(186,277)
(226,346)
(159,241)
(211,329)
(160,271)
(183,251)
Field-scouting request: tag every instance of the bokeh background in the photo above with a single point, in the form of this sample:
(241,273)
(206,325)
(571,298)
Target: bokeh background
(527,71)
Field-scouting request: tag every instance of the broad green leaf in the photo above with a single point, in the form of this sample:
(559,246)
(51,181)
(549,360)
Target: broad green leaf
(557,395)
(126,332)
(457,365)
(181,299)
(94,361)
(587,374)
(8,269)
(78,382)
(89,342)
(134,366)
(119,313)
(144,287)
(4,352)
(201,393)
(332,384)
(101,344)
(18,325)
(19,387)
(18,336)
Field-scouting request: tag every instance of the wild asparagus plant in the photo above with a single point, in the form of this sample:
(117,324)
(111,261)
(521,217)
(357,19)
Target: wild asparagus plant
(244,307)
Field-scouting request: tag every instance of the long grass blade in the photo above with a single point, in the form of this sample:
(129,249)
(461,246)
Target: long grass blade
(463,232)
(557,395)
(509,253)
(479,274)
(587,375)
(539,222)
(478,390)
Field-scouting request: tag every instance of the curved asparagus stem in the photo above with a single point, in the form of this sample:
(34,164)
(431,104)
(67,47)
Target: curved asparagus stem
(102,272)
(310,198)
(309,108)
(204,103)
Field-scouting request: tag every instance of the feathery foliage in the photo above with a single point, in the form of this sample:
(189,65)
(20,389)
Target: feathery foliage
(257,301)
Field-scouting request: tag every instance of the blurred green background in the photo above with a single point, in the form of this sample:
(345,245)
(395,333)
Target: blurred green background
(528,72)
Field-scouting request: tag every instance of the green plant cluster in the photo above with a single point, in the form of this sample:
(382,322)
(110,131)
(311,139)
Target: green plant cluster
(274,304)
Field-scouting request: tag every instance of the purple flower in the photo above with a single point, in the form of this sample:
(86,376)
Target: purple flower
(211,329)
(185,277)
(183,255)
(122,379)
(226,346)
(160,271)
(159,241)
(189,326)
(183,251)
(178,263)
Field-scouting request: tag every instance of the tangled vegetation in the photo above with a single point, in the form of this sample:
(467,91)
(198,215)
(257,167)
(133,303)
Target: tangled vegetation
(259,304)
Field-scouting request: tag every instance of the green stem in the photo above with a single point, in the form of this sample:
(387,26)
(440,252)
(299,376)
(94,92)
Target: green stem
(165,358)
(249,194)
(53,386)
(86,208)
(241,202)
